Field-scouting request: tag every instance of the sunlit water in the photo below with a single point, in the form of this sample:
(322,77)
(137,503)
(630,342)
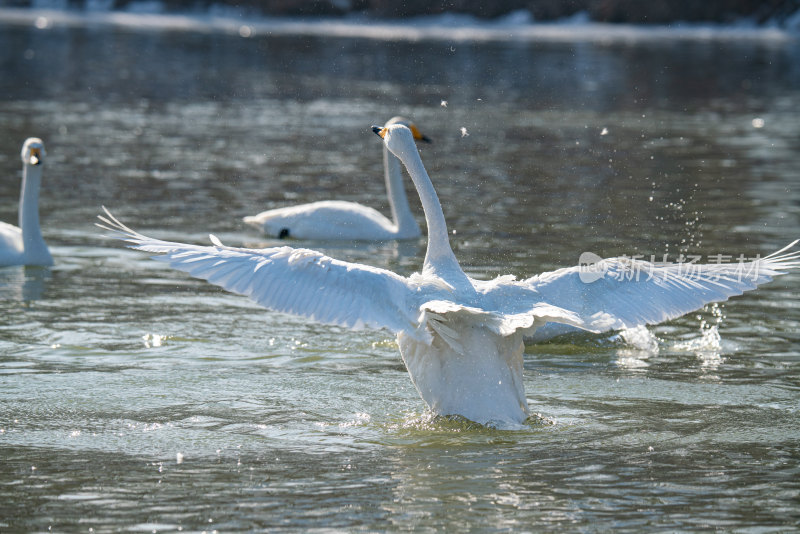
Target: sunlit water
(135,398)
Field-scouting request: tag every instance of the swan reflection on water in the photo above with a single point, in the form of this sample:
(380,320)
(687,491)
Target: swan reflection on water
(24,284)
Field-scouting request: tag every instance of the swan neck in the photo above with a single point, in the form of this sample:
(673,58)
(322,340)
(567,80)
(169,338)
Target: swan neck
(29,208)
(439,256)
(398,200)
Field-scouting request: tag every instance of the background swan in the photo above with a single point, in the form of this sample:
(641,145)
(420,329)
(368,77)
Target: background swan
(24,245)
(342,220)
(461,339)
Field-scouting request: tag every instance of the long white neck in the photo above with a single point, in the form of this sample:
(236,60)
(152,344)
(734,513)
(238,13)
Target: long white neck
(398,201)
(35,247)
(439,257)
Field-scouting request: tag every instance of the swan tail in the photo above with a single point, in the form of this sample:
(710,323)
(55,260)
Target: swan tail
(448,321)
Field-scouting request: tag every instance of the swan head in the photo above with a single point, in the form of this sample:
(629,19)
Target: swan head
(418,136)
(398,138)
(33,151)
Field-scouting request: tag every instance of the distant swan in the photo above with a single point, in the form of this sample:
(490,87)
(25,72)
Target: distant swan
(342,220)
(461,339)
(24,245)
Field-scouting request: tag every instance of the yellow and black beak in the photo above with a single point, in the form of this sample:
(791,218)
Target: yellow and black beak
(381,131)
(419,136)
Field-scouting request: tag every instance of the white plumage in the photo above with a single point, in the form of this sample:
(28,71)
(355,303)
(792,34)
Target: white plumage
(24,244)
(342,220)
(461,339)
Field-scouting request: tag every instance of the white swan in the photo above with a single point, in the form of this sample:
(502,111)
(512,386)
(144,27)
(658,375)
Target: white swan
(461,339)
(342,220)
(24,245)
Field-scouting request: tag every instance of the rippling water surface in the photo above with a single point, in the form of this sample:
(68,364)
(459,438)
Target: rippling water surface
(135,398)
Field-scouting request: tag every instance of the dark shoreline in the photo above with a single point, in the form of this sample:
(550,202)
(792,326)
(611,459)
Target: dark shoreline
(760,12)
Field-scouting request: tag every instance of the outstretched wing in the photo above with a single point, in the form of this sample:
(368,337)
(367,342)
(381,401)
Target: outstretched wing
(297,281)
(620,293)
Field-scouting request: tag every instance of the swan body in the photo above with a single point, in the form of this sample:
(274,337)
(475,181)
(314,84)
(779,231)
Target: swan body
(329,220)
(340,220)
(461,339)
(24,244)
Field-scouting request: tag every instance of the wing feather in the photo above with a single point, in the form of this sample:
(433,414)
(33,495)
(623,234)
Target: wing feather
(624,293)
(297,281)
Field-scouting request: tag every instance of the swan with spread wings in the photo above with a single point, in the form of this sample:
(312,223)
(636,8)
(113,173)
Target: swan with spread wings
(461,339)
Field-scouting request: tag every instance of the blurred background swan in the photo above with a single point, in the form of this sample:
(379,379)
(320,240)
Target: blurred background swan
(461,339)
(24,244)
(342,220)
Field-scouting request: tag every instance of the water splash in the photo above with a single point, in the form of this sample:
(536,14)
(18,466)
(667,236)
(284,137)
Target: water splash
(708,345)
(360,419)
(640,338)
(637,345)
(154,340)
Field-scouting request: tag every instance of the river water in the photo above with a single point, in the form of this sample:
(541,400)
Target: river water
(133,398)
